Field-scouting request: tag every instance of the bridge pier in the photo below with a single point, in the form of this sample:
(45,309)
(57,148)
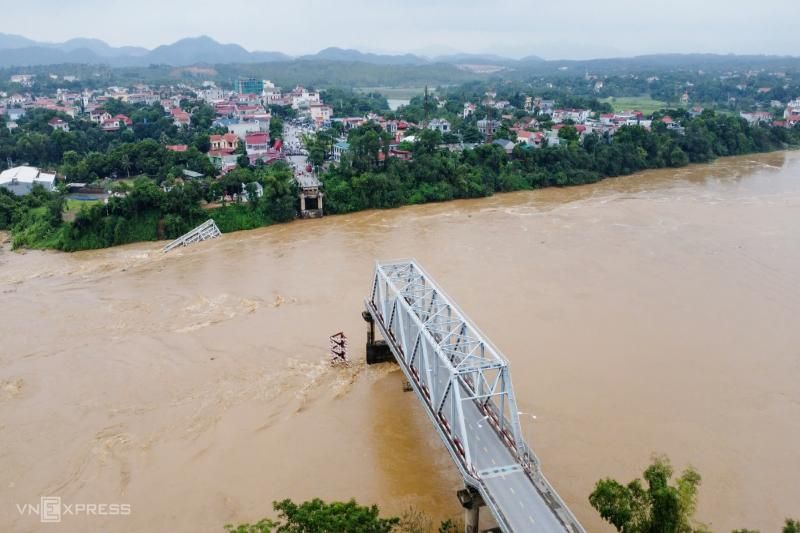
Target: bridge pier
(472,502)
(377,350)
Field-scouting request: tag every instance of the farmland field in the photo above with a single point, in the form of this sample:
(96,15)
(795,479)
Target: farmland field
(645,104)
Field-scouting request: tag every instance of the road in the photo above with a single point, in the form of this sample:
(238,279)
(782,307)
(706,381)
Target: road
(292,142)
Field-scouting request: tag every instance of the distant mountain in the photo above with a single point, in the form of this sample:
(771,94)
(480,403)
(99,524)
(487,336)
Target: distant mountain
(342,54)
(8,41)
(101,48)
(206,50)
(16,50)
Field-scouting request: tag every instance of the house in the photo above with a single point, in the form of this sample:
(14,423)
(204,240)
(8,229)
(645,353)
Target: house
(576,115)
(439,124)
(58,124)
(21,180)
(241,129)
(320,112)
(191,174)
(696,111)
(177,148)
(505,144)
(226,143)
(256,143)
(99,116)
(792,109)
(12,126)
(552,138)
(270,156)
(526,137)
(301,97)
(14,114)
(123,119)
(22,79)
(351,122)
(488,127)
(469,110)
(256,186)
(222,161)
(338,149)
(180,117)
(756,117)
(111,125)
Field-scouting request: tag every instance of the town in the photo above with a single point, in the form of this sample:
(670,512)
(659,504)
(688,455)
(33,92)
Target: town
(217,142)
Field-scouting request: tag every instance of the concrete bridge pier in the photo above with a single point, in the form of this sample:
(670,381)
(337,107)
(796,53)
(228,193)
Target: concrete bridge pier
(472,502)
(377,350)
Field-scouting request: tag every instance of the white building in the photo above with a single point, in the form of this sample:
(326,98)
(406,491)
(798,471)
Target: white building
(439,124)
(321,112)
(20,180)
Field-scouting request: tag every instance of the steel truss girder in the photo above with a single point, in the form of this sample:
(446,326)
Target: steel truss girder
(450,358)
(449,362)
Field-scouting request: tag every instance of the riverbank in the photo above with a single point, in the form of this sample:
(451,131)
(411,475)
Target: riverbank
(361,182)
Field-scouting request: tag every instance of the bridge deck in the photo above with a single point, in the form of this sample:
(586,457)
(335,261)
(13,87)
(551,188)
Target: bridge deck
(467,394)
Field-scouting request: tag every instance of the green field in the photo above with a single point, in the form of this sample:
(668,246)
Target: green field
(71,208)
(645,104)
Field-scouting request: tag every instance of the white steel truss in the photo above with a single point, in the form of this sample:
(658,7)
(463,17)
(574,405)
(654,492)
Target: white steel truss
(454,368)
(449,358)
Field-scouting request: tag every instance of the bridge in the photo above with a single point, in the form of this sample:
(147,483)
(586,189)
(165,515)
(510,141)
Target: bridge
(206,230)
(464,385)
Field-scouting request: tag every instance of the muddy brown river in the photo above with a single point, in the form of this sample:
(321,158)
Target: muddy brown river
(656,313)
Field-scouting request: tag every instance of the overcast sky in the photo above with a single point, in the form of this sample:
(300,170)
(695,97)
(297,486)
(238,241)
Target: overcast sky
(557,29)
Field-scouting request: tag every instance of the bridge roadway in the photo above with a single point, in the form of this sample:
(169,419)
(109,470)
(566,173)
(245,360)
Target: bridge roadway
(491,454)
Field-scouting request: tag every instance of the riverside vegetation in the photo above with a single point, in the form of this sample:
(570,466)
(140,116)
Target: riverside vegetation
(660,507)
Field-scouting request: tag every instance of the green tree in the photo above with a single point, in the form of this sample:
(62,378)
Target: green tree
(659,508)
(316,516)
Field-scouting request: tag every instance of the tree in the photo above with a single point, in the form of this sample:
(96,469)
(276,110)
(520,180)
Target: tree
(316,516)
(660,508)
(792,526)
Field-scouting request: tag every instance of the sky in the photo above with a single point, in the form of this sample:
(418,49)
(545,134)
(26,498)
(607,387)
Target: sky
(563,29)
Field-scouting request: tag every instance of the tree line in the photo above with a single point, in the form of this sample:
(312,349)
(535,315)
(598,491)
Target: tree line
(367,178)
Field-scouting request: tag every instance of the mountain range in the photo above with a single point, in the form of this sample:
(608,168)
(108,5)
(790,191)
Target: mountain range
(16,50)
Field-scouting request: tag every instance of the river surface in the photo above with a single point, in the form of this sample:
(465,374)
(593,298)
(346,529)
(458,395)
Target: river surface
(656,313)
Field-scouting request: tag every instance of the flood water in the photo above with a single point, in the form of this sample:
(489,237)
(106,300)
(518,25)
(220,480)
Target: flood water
(656,313)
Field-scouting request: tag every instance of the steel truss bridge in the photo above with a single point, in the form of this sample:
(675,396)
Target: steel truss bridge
(464,385)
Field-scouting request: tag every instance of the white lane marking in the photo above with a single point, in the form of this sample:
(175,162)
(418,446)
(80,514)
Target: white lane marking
(521,504)
(512,490)
(485,449)
(494,462)
(531,519)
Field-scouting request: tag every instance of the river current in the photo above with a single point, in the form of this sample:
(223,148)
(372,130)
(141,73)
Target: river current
(654,313)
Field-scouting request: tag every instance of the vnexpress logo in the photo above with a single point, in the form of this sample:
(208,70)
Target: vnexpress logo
(51,510)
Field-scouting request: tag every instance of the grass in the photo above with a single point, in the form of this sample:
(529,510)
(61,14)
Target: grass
(71,208)
(645,104)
